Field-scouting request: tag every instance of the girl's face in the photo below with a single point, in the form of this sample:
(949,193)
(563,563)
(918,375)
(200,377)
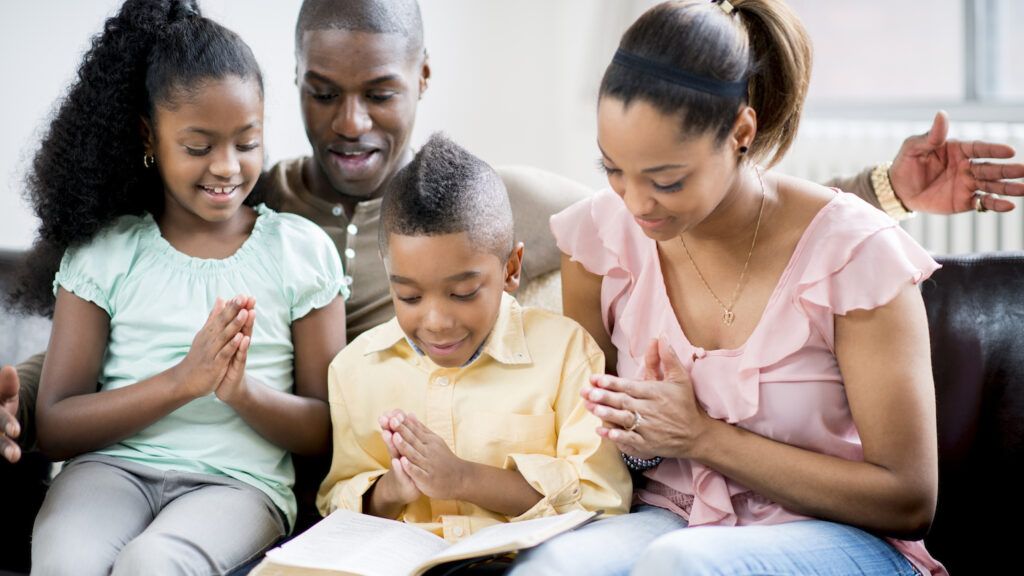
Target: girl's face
(209,148)
(670,184)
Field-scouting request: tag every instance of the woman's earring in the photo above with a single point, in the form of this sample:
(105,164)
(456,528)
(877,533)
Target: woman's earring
(148,160)
(743,150)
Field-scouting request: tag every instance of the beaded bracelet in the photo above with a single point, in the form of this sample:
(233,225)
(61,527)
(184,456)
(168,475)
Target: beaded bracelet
(639,464)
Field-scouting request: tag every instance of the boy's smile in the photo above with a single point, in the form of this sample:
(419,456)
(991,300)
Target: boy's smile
(447,293)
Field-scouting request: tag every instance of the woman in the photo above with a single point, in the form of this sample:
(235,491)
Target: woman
(771,345)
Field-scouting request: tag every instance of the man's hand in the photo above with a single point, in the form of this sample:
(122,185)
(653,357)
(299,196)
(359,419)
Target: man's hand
(10,429)
(940,176)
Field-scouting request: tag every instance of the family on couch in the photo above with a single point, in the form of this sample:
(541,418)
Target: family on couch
(741,327)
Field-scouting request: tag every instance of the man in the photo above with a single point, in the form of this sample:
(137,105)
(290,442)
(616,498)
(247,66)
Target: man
(361,69)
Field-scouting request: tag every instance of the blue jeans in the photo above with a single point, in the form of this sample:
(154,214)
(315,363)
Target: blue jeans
(653,541)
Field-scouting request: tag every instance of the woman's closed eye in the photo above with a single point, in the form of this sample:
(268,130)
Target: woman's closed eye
(608,171)
(673,187)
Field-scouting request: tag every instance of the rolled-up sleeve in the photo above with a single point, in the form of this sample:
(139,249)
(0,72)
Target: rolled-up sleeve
(586,471)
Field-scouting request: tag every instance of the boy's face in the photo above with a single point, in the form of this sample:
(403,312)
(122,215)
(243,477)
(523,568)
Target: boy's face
(447,294)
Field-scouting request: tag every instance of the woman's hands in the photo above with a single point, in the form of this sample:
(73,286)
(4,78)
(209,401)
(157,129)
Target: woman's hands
(217,356)
(656,416)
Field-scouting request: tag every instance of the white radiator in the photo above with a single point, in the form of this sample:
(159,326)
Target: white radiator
(825,148)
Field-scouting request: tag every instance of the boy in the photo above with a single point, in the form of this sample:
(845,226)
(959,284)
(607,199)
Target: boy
(464,410)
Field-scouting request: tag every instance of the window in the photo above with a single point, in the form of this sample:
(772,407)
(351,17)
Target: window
(907,54)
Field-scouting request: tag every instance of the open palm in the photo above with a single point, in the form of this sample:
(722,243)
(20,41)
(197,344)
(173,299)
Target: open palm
(940,176)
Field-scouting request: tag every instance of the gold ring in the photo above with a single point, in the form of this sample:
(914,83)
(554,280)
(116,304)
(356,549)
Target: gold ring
(979,206)
(637,419)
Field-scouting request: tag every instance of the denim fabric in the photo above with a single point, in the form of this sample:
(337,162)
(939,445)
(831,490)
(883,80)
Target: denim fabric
(651,541)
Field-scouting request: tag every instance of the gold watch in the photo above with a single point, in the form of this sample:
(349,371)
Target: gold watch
(887,198)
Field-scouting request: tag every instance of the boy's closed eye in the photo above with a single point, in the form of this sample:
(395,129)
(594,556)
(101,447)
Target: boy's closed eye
(465,295)
(457,294)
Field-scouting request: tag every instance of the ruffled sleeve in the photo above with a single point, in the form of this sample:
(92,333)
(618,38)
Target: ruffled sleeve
(863,263)
(93,271)
(597,233)
(312,269)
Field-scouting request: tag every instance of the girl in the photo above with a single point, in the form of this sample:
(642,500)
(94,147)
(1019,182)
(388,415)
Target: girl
(774,379)
(179,462)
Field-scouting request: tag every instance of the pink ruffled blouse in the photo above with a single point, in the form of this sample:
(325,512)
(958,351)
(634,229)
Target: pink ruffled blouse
(784,382)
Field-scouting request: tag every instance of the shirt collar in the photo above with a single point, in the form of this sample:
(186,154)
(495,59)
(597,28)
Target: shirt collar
(506,343)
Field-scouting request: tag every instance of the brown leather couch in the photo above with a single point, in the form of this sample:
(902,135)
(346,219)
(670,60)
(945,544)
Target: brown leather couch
(976,317)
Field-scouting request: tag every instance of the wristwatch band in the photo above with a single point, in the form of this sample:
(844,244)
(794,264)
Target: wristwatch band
(887,198)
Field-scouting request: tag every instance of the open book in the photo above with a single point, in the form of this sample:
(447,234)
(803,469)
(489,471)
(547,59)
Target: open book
(352,544)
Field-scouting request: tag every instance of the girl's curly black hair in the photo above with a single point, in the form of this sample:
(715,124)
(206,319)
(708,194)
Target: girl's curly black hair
(89,168)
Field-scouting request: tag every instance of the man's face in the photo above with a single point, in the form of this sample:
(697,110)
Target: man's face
(359,92)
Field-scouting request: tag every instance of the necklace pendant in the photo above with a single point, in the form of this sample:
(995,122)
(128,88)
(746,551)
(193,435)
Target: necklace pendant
(728,317)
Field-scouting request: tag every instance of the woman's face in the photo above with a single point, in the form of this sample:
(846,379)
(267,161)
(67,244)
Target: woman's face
(669,183)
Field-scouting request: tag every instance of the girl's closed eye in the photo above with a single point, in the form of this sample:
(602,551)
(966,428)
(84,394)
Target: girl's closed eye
(248,147)
(197,150)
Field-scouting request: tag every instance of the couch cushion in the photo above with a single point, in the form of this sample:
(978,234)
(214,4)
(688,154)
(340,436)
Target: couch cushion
(976,319)
(20,336)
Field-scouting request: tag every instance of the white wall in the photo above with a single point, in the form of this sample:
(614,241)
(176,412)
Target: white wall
(508,81)
(514,81)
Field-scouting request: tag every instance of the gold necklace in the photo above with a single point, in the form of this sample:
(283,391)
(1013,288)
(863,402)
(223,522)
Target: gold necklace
(728,317)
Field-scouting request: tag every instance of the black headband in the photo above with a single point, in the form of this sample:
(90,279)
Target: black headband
(681,77)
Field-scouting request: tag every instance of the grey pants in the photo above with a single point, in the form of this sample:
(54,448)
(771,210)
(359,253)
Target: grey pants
(105,515)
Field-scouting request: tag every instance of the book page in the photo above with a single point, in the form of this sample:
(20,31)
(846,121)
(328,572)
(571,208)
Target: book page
(355,543)
(508,537)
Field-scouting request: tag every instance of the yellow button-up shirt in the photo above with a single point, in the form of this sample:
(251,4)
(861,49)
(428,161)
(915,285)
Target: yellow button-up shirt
(516,406)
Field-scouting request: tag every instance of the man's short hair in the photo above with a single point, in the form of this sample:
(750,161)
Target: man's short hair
(375,16)
(447,190)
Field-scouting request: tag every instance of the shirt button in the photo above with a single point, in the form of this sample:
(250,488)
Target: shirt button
(337,211)
(350,253)
(352,229)
(441,381)
(457,530)
(348,280)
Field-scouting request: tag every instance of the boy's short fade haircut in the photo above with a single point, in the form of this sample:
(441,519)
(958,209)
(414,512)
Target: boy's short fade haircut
(447,190)
(375,16)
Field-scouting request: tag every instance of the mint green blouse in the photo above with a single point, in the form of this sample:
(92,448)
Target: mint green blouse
(158,298)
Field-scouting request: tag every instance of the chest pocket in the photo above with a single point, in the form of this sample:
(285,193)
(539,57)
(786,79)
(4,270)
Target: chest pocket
(489,437)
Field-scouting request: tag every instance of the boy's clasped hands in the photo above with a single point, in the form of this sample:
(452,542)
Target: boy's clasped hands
(216,360)
(421,461)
